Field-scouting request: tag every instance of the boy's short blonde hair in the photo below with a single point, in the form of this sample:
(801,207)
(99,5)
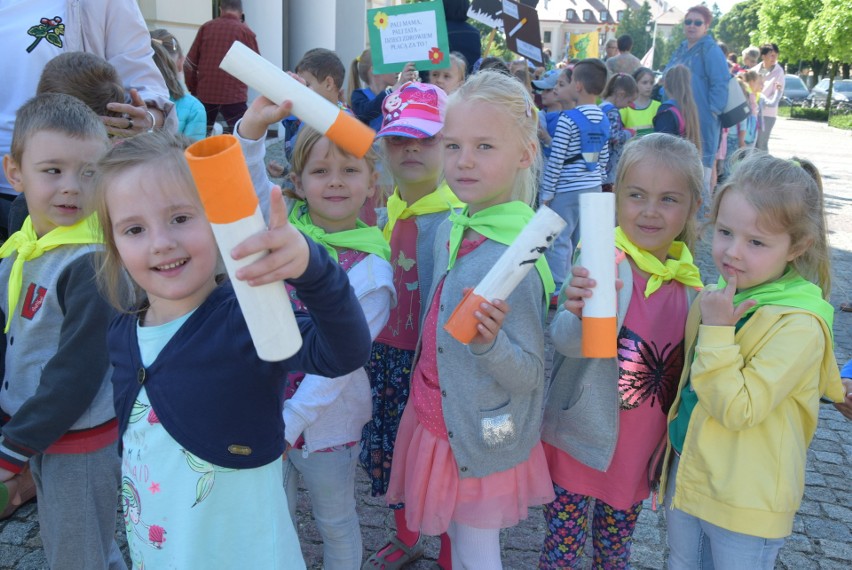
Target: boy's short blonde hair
(55,112)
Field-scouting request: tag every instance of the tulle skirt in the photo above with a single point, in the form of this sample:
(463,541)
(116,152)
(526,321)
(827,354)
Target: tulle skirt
(425,476)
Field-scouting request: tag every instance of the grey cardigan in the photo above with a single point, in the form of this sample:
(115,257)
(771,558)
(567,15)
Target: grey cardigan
(581,411)
(492,396)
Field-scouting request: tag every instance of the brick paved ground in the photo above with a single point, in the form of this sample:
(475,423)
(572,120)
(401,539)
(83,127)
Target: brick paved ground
(822,537)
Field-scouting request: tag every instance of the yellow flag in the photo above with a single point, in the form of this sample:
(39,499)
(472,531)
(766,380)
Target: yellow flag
(584,45)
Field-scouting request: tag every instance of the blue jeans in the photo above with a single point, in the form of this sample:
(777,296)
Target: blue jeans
(329,478)
(567,205)
(697,544)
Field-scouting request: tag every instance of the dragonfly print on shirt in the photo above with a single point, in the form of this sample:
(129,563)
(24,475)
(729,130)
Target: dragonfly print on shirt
(646,371)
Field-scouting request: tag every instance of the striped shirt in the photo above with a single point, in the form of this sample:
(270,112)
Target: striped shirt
(560,177)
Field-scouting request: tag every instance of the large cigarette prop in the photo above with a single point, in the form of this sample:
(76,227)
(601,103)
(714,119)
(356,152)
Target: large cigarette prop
(343,129)
(226,191)
(597,236)
(507,273)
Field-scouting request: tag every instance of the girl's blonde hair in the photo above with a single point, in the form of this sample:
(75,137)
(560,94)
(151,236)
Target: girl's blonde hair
(620,82)
(163,152)
(306,140)
(510,96)
(458,61)
(168,69)
(359,74)
(787,195)
(673,154)
(678,84)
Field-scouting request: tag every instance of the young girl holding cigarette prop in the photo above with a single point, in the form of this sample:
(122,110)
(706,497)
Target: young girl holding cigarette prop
(323,417)
(605,418)
(200,414)
(410,139)
(759,356)
(468,459)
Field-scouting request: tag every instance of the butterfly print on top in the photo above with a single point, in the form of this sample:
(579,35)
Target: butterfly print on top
(646,371)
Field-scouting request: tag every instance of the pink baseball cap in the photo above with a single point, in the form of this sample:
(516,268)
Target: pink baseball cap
(416,110)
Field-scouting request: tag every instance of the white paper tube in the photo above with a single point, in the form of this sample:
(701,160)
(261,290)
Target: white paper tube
(597,242)
(345,130)
(224,186)
(521,256)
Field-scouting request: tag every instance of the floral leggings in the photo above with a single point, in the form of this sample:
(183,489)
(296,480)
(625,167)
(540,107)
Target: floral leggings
(567,526)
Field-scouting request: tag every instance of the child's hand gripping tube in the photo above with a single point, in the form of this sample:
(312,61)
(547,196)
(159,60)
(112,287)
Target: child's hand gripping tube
(597,236)
(507,273)
(222,178)
(344,130)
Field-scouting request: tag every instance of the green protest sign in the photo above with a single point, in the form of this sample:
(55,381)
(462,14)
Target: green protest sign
(408,32)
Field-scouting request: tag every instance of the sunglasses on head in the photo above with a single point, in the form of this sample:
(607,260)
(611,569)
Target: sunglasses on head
(697,23)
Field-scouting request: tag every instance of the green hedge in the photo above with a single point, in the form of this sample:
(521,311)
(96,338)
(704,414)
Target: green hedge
(820,115)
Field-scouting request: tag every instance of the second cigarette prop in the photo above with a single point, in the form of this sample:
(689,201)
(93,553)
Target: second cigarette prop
(507,273)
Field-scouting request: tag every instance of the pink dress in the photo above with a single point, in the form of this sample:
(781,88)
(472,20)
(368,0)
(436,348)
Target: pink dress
(425,475)
(650,360)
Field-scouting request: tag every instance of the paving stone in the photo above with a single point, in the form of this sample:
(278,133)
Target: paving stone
(17,532)
(797,561)
(833,565)
(11,554)
(799,542)
(35,560)
(814,478)
(838,512)
(826,528)
(829,457)
(837,550)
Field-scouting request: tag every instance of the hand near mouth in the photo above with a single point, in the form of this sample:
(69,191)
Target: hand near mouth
(717,305)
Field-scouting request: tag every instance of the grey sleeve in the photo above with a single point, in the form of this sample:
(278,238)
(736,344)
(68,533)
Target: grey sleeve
(71,378)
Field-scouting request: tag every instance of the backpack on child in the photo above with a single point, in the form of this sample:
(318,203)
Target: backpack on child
(593,137)
(670,105)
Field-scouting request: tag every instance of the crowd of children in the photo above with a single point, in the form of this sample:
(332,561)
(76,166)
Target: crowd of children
(130,372)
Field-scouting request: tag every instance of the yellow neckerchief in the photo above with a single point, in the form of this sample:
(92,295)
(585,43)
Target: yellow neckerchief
(679,267)
(361,238)
(439,200)
(29,246)
(501,223)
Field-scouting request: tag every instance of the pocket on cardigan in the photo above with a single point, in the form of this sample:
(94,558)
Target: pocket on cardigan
(497,428)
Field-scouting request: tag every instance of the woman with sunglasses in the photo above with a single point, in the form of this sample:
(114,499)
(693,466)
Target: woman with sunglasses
(710,75)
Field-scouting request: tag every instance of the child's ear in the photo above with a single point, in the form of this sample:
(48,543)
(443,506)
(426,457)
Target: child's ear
(13,173)
(297,185)
(528,155)
(799,248)
(329,85)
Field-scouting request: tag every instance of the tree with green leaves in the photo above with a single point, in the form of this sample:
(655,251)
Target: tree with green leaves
(739,25)
(785,23)
(634,23)
(665,48)
(828,34)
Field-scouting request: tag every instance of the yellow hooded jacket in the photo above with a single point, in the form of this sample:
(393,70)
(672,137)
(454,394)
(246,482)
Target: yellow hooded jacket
(743,461)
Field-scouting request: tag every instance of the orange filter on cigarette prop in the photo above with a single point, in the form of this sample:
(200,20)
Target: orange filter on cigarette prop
(599,337)
(462,323)
(222,178)
(351,135)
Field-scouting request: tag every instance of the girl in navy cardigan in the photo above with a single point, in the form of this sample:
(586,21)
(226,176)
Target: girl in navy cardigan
(200,415)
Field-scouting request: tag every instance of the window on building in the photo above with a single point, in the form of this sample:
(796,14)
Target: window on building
(587,15)
(547,37)
(604,15)
(619,15)
(570,14)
